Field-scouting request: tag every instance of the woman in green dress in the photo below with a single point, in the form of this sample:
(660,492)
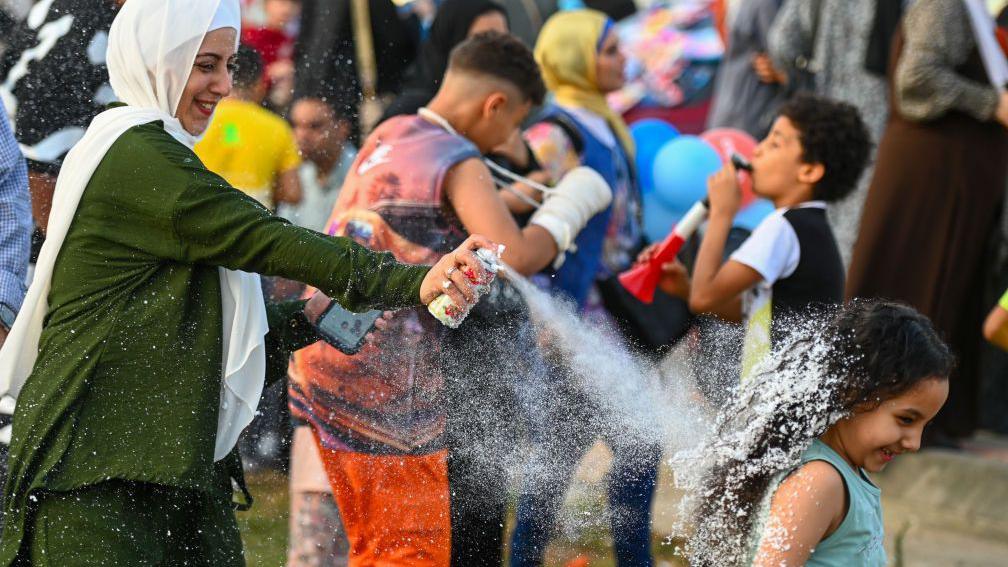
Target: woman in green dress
(141,350)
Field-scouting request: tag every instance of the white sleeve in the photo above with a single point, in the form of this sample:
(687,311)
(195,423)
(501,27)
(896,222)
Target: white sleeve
(772,249)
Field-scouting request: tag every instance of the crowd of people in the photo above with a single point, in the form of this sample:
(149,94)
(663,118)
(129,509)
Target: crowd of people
(161,154)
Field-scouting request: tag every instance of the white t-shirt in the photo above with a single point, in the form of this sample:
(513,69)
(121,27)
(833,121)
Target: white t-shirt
(595,124)
(773,251)
(318,200)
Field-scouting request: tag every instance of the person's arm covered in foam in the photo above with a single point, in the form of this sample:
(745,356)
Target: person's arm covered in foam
(579,196)
(807,507)
(470,191)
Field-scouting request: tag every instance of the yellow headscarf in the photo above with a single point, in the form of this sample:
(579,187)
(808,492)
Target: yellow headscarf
(567,53)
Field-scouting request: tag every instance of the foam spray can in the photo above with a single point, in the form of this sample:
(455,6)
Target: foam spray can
(451,315)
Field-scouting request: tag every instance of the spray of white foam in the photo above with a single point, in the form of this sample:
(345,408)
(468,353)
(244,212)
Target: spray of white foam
(631,392)
(757,438)
(596,388)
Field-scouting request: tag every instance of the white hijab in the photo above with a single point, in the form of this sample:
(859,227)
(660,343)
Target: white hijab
(152,47)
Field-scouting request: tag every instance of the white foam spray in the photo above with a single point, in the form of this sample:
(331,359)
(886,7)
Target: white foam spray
(634,396)
(758,437)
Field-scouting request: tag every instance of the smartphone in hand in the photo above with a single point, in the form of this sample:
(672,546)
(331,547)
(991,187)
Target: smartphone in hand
(345,329)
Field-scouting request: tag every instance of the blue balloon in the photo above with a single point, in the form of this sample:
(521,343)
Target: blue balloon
(649,136)
(750,217)
(681,170)
(658,219)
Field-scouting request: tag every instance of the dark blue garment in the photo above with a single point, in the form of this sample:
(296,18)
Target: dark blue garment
(581,268)
(15,219)
(563,423)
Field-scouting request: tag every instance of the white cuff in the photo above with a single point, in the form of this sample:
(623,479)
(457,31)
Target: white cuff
(557,227)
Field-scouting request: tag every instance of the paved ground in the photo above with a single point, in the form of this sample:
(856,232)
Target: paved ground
(949,508)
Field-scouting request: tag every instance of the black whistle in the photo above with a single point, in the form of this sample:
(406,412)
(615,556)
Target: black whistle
(740,162)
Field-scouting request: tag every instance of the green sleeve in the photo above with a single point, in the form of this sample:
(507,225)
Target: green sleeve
(217,225)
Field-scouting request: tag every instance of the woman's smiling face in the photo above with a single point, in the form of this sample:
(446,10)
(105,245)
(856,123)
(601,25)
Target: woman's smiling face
(209,81)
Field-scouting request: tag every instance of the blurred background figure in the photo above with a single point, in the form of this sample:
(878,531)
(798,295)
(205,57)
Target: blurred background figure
(336,59)
(322,137)
(455,21)
(249,146)
(528,16)
(744,98)
(615,9)
(274,40)
(317,538)
(830,48)
(55,82)
(938,187)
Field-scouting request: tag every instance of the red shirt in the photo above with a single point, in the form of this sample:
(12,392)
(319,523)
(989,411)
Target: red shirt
(272,44)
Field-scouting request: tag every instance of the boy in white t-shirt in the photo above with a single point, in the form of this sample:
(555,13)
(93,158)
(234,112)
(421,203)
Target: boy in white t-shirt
(814,155)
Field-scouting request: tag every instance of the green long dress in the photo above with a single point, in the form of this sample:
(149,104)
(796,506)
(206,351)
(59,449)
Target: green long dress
(128,377)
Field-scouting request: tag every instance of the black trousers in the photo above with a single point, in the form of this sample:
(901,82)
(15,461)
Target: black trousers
(486,361)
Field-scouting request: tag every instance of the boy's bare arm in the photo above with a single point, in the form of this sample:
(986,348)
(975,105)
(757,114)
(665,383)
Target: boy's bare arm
(287,187)
(717,288)
(471,193)
(675,281)
(995,327)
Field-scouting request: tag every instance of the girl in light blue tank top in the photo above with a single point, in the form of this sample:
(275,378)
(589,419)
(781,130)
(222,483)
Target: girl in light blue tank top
(783,479)
(859,538)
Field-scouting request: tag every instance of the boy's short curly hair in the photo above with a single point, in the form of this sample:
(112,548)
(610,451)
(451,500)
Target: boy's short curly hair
(502,56)
(833,134)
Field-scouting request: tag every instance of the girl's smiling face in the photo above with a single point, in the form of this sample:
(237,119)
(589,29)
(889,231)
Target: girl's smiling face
(871,438)
(209,82)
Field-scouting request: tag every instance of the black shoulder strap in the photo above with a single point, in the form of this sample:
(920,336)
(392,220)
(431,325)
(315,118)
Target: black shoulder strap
(569,128)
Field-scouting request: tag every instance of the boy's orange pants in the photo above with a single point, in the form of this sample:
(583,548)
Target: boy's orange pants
(395,508)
